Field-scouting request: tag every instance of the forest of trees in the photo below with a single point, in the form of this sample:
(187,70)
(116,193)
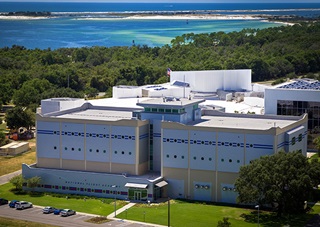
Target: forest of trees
(29,75)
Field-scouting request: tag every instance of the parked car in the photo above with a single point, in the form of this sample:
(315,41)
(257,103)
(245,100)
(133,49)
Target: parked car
(23,205)
(12,203)
(48,210)
(57,211)
(67,212)
(3,201)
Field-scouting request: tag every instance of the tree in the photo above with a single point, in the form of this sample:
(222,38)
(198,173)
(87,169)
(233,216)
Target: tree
(224,223)
(316,142)
(30,92)
(20,117)
(283,179)
(17,181)
(33,182)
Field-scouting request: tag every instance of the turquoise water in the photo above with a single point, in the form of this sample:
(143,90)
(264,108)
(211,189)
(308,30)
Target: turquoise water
(91,29)
(69,32)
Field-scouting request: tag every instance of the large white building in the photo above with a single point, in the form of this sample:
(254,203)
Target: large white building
(149,148)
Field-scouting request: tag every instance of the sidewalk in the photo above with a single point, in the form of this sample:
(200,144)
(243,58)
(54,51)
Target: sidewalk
(124,208)
(6,178)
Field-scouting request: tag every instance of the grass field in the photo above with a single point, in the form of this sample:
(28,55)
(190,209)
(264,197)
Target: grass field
(9,164)
(182,213)
(197,214)
(98,206)
(4,222)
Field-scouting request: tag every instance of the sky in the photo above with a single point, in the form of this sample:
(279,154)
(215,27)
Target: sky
(174,1)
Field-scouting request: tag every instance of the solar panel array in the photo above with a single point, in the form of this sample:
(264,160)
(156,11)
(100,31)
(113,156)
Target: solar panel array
(303,84)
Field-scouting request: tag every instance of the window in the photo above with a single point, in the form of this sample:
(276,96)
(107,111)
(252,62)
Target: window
(293,140)
(300,137)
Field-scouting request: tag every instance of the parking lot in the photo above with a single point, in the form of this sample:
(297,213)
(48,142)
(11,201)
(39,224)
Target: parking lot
(35,214)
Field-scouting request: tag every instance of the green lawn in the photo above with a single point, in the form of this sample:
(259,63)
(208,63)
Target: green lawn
(196,214)
(182,213)
(98,206)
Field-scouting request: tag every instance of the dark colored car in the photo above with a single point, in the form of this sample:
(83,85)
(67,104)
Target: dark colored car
(3,201)
(12,203)
(57,211)
(48,210)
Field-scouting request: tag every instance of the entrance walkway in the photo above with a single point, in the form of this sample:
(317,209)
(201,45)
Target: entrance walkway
(119,211)
(6,178)
(129,205)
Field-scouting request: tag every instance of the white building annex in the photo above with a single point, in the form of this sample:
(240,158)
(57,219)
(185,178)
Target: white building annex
(295,98)
(145,148)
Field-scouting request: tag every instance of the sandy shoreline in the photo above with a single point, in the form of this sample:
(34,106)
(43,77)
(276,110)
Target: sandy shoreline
(22,18)
(146,17)
(186,17)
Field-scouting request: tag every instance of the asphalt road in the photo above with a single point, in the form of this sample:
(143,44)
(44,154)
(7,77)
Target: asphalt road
(35,215)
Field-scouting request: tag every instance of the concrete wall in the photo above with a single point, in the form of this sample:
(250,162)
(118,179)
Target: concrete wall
(211,81)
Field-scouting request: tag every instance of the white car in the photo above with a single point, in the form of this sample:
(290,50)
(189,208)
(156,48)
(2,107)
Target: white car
(23,205)
(48,210)
(67,212)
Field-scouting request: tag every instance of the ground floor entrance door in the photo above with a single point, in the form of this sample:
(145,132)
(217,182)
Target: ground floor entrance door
(137,195)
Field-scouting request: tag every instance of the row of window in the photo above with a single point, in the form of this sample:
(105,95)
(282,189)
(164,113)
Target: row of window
(164,110)
(97,135)
(202,158)
(92,150)
(294,139)
(93,190)
(92,184)
(205,142)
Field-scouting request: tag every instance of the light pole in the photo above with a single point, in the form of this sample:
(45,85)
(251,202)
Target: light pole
(115,201)
(257,206)
(168,211)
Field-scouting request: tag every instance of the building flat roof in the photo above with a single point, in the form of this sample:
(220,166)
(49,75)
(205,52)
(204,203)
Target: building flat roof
(170,101)
(238,122)
(97,114)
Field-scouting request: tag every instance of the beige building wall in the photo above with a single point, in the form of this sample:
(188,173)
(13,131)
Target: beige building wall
(97,166)
(48,163)
(73,164)
(203,176)
(123,168)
